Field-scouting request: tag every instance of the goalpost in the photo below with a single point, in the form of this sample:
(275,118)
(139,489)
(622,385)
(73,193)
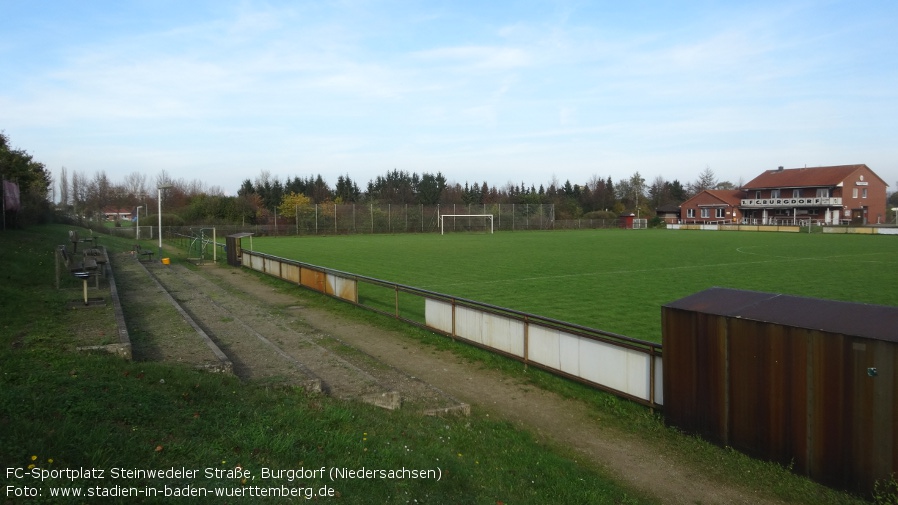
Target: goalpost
(144,232)
(489,216)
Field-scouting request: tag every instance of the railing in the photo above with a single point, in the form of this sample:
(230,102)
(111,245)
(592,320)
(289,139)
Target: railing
(735,227)
(624,366)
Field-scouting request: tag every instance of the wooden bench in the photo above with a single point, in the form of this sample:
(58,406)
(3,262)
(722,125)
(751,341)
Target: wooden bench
(99,255)
(82,268)
(73,237)
(86,264)
(148,253)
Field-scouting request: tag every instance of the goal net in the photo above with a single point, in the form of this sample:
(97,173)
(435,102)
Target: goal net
(640,224)
(466,222)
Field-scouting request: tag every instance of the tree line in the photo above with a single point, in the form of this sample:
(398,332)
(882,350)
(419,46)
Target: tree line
(258,199)
(33,181)
(596,197)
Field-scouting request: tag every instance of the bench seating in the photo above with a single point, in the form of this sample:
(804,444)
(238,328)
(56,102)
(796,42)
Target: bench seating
(73,237)
(143,253)
(87,264)
(83,268)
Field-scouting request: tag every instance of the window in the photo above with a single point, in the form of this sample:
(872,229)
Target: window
(796,193)
(720,212)
(864,192)
(822,192)
(690,213)
(854,193)
(757,195)
(706,213)
(774,193)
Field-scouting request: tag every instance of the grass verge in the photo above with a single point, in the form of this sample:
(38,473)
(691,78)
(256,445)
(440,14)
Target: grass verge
(64,412)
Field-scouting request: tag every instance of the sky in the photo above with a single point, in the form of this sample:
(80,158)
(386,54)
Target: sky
(500,92)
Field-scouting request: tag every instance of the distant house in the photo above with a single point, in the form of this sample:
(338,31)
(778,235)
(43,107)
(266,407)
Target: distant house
(117,214)
(713,206)
(832,195)
(669,213)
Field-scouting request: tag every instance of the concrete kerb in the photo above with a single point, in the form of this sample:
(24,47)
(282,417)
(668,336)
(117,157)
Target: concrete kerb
(123,347)
(224,364)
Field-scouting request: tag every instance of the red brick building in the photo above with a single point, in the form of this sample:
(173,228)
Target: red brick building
(832,195)
(713,206)
(844,194)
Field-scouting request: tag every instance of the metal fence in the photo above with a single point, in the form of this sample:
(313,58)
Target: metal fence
(346,219)
(624,366)
(586,224)
(336,219)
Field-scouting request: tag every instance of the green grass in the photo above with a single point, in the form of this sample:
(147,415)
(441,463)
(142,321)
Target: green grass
(97,411)
(612,280)
(61,409)
(633,420)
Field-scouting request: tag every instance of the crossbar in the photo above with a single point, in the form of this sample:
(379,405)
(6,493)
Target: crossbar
(490,216)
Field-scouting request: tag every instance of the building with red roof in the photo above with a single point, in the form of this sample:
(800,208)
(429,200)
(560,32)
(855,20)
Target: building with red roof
(844,194)
(833,195)
(720,206)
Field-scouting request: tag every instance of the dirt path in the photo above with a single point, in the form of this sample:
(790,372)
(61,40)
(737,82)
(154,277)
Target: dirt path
(227,298)
(549,416)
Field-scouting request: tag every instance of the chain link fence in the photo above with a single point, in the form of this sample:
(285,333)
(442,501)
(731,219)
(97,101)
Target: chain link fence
(348,219)
(335,219)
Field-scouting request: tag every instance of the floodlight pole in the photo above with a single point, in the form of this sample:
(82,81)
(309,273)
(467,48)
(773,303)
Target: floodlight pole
(137,233)
(159,202)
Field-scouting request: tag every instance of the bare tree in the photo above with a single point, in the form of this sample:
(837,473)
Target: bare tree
(63,188)
(706,180)
(79,192)
(163,178)
(136,185)
(659,191)
(99,193)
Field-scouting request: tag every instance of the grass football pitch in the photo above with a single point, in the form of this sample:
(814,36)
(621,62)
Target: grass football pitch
(612,280)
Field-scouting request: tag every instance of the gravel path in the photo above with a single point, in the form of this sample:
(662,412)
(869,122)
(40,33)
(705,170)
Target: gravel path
(259,340)
(270,336)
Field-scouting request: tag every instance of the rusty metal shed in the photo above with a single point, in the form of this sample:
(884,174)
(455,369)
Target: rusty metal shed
(233,246)
(800,381)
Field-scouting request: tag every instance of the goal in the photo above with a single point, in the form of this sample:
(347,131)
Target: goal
(460,216)
(144,232)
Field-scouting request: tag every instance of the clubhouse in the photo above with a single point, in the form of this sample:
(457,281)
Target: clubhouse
(844,194)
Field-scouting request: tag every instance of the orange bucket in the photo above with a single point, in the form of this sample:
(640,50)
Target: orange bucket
(166,261)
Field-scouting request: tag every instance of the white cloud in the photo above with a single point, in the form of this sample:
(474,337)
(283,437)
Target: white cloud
(349,88)
(476,58)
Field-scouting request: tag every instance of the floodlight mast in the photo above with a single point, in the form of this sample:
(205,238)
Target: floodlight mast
(137,233)
(159,201)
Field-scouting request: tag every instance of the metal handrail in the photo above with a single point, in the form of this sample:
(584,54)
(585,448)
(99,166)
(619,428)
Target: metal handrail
(651,349)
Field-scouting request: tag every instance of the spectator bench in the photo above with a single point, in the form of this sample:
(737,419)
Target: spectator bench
(143,253)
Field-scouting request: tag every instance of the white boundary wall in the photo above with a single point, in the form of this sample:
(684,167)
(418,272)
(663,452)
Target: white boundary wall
(605,364)
(863,230)
(626,367)
(878,230)
(733,227)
